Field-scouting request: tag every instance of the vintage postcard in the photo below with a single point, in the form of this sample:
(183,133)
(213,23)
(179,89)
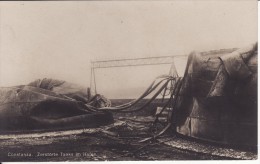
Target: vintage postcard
(128,80)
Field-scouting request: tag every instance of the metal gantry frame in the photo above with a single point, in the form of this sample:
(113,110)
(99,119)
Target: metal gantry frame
(160,60)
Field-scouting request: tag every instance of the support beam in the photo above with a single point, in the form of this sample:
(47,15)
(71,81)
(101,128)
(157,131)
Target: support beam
(160,60)
(135,62)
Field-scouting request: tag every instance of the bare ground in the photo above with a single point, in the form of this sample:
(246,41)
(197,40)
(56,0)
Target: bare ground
(117,142)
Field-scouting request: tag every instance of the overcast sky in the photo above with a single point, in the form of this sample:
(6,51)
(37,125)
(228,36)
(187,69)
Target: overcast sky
(59,39)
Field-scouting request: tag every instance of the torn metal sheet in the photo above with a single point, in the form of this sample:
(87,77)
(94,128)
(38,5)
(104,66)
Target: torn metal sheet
(49,104)
(218,100)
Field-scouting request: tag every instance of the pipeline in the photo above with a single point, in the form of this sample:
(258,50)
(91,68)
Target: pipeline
(123,108)
(161,85)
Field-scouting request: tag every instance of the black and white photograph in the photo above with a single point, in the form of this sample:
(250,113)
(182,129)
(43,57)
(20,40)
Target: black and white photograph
(126,80)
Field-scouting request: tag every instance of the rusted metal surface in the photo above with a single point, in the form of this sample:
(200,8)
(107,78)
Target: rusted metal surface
(218,99)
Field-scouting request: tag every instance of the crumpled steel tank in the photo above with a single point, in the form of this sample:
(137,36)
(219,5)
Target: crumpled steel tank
(47,104)
(218,97)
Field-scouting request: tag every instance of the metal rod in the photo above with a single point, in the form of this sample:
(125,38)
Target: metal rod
(134,62)
(91,74)
(142,58)
(94,80)
(131,65)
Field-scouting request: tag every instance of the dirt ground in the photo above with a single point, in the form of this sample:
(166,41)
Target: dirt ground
(117,142)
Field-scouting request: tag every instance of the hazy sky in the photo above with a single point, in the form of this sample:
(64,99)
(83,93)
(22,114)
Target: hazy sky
(59,39)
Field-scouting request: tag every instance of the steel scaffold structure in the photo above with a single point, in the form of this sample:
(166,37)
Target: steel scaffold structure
(160,60)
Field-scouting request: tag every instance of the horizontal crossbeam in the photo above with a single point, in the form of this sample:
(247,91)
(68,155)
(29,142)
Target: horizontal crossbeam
(134,62)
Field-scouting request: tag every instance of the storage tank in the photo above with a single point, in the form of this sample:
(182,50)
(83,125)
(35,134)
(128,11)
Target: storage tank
(218,97)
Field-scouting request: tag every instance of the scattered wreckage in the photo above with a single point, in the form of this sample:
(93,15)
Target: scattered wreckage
(216,100)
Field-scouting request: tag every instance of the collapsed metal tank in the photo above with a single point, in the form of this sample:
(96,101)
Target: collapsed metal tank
(49,104)
(218,98)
